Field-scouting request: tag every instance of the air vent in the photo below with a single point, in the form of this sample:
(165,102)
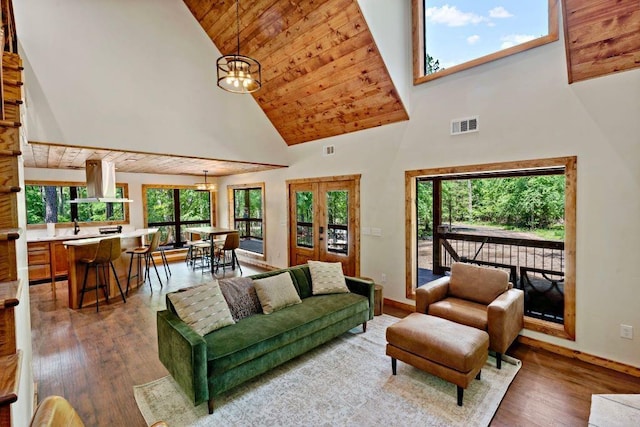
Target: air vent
(466,125)
(328,150)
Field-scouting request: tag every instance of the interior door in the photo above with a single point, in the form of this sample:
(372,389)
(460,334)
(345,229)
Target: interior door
(324,221)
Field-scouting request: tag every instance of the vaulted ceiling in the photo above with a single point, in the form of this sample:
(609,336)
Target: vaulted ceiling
(322,72)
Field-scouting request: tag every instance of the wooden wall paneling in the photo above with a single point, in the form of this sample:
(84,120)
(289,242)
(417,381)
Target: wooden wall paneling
(9,140)
(8,210)
(601,37)
(8,270)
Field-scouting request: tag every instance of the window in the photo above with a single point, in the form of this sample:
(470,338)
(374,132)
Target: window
(454,35)
(518,217)
(48,201)
(246,208)
(172,209)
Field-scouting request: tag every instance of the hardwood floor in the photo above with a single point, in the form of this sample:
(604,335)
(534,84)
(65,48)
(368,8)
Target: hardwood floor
(95,359)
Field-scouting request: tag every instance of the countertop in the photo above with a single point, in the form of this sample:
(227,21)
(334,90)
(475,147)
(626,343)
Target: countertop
(63,237)
(86,240)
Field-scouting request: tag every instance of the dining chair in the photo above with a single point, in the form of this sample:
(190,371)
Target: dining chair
(228,251)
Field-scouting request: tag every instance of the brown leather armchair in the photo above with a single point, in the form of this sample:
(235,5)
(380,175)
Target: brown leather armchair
(480,297)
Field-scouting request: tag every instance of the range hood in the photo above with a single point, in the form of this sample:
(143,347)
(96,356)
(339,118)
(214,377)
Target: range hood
(101,183)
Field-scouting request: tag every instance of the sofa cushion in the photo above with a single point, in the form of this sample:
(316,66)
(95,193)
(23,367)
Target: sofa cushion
(276,292)
(202,307)
(327,278)
(241,297)
(475,283)
(260,334)
(461,311)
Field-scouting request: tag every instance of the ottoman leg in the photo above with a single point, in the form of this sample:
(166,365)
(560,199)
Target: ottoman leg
(499,360)
(394,364)
(460,394)
(478,376)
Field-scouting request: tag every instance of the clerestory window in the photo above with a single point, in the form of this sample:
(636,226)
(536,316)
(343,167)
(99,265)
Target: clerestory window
(454,35)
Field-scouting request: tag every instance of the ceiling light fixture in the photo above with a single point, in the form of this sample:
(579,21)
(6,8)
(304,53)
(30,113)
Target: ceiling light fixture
(205,186)
(238,73)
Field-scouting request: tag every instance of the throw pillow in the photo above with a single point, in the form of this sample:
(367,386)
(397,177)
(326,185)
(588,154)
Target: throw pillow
(241,297)
(327,278)
(276,292)
(202,307)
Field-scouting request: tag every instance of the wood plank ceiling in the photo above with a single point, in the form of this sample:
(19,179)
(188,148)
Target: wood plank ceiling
(601,37)
(55,156)
(322,72)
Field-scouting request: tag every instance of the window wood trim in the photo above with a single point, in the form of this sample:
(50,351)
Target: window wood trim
(417,29)
(230,201)
(125,192)
(566,331)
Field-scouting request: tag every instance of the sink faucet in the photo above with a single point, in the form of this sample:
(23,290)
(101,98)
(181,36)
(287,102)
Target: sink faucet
(76,227)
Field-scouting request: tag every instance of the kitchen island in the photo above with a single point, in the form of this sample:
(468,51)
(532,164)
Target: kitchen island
(86,248)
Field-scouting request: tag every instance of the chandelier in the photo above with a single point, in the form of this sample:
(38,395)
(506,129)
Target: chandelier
(238,73)
(205,186)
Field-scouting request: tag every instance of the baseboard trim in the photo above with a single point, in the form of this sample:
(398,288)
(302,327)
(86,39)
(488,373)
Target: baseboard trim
(576,354)
(401,305)
(257,263)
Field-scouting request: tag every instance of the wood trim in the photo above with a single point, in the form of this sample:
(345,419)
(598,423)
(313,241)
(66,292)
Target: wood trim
(335,178)
(570,164)
(10,293)
(230,224)
(567,50)
(576,354)
(400,305)
(418,73)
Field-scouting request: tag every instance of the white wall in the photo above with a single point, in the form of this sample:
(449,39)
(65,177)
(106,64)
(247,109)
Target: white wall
(527,110)
(134,75)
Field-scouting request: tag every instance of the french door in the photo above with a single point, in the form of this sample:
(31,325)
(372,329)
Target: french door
(324,221)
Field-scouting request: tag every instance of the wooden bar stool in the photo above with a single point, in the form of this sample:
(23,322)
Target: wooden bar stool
(231,243)
(145,252)
(108,250)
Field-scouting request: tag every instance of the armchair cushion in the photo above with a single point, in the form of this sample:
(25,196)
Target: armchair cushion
(475,283)
(461,311)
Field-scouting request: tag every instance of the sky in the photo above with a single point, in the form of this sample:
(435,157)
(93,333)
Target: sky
(460,30)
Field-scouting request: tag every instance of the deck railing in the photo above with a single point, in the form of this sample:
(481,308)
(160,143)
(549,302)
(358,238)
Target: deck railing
(535,266)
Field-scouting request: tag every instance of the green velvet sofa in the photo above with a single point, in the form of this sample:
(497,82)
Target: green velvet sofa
(208,366)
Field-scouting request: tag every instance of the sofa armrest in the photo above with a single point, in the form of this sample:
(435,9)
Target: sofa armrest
(505,318)
(431,292)
(362,287)
(184,353)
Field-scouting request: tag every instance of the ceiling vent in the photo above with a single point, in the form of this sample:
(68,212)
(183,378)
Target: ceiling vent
(466,125)
(328,150)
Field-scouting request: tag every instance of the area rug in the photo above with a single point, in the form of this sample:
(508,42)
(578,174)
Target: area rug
(347,381)
(614,410)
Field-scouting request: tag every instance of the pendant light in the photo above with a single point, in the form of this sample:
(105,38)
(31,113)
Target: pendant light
(238,73)
(205,186)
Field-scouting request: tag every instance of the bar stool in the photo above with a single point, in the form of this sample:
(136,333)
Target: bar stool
(195,238)
(108,250)
(202,253)
(163,255)
(145,252)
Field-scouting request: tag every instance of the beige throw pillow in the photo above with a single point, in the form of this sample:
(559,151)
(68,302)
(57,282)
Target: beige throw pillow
(276,292)
(202,307)
(327,278)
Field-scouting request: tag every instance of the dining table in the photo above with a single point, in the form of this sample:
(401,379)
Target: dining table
(211,232)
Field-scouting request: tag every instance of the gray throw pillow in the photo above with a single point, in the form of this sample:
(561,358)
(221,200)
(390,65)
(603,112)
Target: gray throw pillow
(276,292)
(202,307)
(241,297)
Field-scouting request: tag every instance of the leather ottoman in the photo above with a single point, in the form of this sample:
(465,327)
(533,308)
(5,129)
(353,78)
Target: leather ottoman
(451,351)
